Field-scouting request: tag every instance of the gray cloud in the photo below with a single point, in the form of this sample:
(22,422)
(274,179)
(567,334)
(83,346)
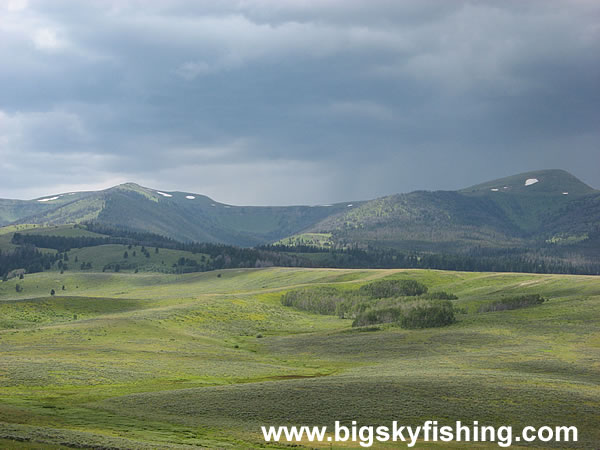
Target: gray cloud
(262,102)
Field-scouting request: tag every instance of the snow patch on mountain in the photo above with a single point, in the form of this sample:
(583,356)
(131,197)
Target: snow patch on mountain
(49,199)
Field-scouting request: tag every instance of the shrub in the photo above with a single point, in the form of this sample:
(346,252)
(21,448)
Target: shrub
(393,288)
(322,300)
(521,301)
(436,314)
(380,315)
(382,296)
(385,301)
(419,314)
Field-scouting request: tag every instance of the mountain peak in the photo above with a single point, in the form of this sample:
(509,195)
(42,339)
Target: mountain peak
(128,185)
(134,187)
(550,181)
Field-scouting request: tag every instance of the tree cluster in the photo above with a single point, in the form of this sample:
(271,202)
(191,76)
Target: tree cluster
(402,302)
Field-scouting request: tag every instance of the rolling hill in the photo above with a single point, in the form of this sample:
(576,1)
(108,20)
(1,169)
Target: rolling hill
(157,361)
(521,211)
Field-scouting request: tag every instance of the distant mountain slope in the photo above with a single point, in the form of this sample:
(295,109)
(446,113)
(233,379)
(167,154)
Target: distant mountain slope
(525,210)
(182,216)
(429,221)
(548,182)
(13,211)
(516,211)
(531,198)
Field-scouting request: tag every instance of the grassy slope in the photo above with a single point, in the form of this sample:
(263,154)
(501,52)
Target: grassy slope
(114,254)
(151,359)
(102,255)
(63,230)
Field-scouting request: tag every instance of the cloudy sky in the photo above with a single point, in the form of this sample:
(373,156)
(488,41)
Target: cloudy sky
(295,101)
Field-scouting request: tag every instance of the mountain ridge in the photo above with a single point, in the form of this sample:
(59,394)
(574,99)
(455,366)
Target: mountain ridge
(130,185)
(514,211)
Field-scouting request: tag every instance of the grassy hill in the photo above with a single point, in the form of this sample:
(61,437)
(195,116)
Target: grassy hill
(151,360)
(110,257)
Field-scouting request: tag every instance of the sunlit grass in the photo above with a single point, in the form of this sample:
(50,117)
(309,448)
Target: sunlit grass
(141,360)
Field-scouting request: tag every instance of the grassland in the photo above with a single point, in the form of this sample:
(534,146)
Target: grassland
(153,360)
(110,255)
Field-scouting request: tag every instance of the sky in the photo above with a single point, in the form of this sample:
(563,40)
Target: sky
(275,102)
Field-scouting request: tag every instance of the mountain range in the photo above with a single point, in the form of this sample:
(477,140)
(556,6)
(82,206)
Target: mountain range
(546,207)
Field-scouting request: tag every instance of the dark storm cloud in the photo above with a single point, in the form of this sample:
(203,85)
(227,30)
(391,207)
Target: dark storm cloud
(298,101)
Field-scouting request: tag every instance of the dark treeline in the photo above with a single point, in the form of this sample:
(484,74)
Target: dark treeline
(133,237)
(25,257)
(112,235)
(221,256)
(477,260)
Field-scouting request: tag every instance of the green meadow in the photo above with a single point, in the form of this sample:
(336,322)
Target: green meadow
(155,360)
